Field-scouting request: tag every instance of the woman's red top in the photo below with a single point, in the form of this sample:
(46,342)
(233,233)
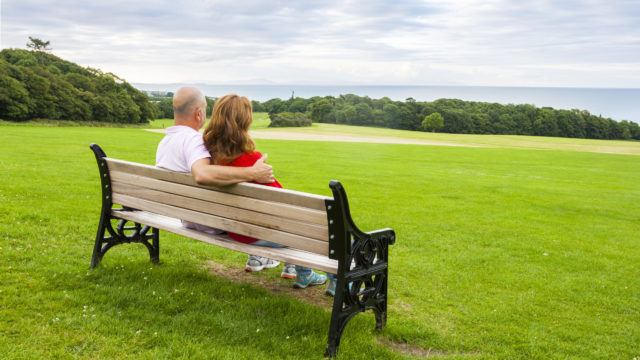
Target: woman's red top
(246,160)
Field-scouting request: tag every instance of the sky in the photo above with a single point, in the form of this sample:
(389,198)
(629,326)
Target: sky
(483,43)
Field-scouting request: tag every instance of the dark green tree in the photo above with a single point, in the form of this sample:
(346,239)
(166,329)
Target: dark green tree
(433,122)
(321,111)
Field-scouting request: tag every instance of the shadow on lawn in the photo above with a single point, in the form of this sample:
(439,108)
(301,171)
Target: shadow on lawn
(311,295)
(231,310)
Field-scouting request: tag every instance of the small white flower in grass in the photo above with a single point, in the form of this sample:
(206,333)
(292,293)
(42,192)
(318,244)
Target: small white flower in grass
(545,254)
(257,330)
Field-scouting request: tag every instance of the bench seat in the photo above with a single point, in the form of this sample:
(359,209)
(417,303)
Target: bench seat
(290,255)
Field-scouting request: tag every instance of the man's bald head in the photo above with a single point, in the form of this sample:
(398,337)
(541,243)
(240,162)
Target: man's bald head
(189,107)
(187,99)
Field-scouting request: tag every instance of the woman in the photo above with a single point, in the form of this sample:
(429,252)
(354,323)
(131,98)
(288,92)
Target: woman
(227,139)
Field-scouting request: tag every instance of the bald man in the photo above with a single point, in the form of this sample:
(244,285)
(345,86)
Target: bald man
(182,149)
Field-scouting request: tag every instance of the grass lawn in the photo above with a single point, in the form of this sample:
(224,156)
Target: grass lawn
(505,141)
(501,253)
(260,121)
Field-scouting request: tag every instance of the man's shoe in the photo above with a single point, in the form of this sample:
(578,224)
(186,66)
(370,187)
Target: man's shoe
(309,280)
(257,263)
(288,271)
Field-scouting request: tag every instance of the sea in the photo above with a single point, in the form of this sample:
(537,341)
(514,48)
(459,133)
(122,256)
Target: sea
(618,104)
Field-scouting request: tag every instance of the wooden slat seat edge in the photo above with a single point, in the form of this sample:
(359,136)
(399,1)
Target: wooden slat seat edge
(294,256)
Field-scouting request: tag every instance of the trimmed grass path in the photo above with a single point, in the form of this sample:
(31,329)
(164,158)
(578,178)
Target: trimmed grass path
(290,135)
(360,134)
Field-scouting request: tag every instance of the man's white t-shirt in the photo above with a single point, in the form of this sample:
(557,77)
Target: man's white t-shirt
(178,150)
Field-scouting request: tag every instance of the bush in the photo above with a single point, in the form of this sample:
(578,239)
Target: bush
(289,119)
(433,122)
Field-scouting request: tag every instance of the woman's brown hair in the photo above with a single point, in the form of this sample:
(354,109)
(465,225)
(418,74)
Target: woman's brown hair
(227,134)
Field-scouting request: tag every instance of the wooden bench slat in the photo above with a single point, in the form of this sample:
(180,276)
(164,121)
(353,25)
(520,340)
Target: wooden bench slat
(265,220)
(280,237)
(174,225)
(262,206)
(245,189)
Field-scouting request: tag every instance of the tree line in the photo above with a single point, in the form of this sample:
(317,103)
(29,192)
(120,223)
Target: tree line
(39,85)
(455,116)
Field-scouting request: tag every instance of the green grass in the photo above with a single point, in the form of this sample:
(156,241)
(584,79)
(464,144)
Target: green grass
(260,121)
(501,253)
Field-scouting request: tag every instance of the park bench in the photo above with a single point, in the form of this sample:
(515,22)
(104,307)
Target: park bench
(317,231)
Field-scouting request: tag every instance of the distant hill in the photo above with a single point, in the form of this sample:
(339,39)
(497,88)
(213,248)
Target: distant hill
(39,85)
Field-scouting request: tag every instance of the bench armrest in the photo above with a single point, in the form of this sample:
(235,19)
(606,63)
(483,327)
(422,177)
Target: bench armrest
(386,235)
(345,238)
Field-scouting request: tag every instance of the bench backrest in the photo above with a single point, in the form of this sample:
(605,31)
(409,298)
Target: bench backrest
(291,218)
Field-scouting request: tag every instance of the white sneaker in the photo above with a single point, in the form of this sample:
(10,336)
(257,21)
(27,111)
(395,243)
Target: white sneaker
(257,263)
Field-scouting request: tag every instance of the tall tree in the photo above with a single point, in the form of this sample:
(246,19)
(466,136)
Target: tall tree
(38,44)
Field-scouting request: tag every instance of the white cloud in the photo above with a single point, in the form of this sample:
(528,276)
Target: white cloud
(536,43)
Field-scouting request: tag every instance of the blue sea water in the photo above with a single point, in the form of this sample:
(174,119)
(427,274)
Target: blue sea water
(618,104)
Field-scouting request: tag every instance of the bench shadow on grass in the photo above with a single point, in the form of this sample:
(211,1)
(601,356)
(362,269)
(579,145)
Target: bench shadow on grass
(224,308)
(270,281)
